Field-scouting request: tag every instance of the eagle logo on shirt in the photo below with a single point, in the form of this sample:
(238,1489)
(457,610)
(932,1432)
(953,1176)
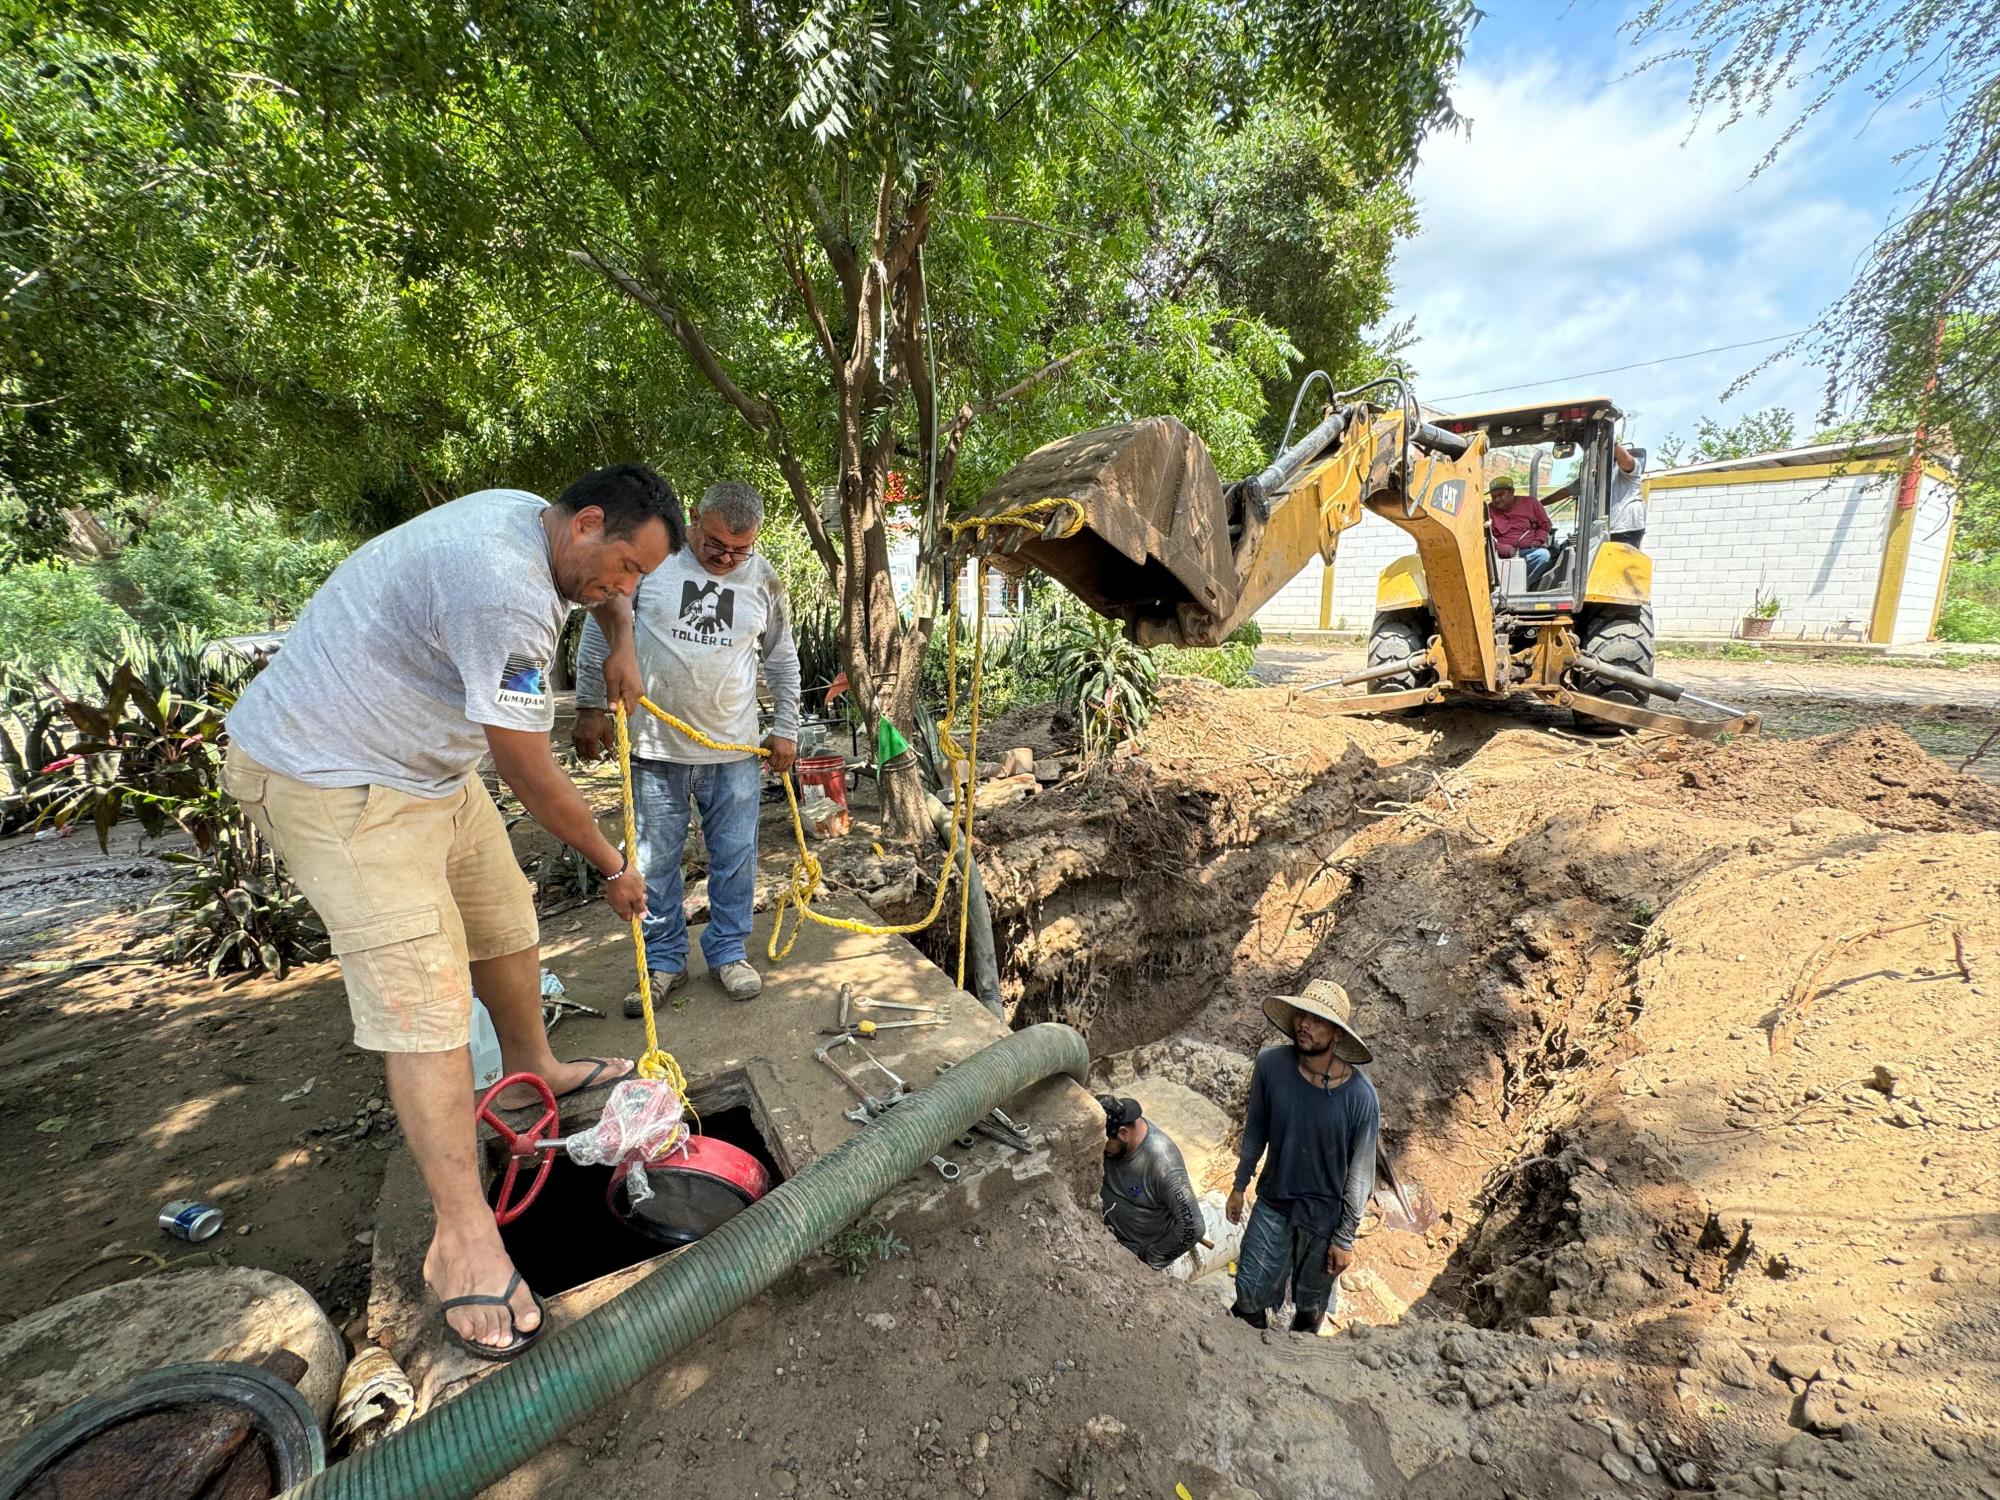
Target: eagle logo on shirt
(524,682)
(708,611)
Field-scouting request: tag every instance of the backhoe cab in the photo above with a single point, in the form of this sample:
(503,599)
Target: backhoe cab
(1165,548)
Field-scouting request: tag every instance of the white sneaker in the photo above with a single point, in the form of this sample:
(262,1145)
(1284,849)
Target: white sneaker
(740,981)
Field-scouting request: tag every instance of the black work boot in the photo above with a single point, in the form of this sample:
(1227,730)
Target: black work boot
(1307,1322)
(1257,1319)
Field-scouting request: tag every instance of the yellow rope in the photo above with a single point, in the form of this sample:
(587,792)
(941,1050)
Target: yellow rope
(656,1062)
(804,882)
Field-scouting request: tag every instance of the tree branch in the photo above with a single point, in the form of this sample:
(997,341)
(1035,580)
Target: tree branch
(788,254)
(833,240)
(763,417)
(972,411)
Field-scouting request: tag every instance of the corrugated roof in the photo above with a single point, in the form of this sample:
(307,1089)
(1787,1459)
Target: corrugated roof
(1888,445)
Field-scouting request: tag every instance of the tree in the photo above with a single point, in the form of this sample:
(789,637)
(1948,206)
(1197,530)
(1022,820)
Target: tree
(1915,331)
(170,308)
(1763,431)
(894,240)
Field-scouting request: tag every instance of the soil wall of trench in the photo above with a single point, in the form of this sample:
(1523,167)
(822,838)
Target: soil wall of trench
(1690,1045)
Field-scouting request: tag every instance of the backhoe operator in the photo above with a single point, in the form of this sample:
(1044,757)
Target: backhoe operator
(1521,528)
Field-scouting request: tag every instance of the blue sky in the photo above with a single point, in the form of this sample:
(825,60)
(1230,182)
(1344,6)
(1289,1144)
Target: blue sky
(1579,225)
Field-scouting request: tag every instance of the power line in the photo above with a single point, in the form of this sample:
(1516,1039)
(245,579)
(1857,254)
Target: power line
(1665,359)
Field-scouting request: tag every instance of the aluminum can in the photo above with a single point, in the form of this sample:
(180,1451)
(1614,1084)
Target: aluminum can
(186,1219)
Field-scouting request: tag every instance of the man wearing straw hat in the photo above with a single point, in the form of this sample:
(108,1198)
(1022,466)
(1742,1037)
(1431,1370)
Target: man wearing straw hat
(1314,1120)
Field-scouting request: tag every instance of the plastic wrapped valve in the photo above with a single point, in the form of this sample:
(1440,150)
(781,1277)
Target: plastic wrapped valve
(643,1120)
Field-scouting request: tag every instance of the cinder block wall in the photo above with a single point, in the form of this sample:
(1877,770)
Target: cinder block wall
(1816,543)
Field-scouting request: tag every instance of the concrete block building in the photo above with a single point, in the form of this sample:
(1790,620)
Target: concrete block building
(1820,528)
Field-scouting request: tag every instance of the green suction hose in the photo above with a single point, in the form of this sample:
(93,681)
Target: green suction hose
(469,1443)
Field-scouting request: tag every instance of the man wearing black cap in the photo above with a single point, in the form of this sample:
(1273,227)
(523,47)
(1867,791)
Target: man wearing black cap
(1147,1198)
(1314,1119)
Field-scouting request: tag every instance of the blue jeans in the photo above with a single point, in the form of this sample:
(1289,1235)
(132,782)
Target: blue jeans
(728,793)
(1537,559)
(1276,1255)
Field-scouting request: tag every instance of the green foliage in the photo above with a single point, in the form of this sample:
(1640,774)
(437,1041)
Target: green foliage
(1915,334)
(52,614)
(1229,664)
(1111,683)
(1971,602)
(859,1246)
(1763,431)
(149,745)
(32,738)
(193,562)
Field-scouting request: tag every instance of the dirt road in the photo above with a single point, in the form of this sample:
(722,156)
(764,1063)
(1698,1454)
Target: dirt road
(1949,711)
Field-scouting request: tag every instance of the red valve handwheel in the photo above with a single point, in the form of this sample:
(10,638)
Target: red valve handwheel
(521,1145)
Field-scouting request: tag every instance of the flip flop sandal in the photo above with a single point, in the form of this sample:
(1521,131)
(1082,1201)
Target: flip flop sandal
(498,1353)
(589,1082)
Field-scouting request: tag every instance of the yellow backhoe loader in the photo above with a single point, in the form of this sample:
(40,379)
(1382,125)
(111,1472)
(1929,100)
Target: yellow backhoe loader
(1165,548)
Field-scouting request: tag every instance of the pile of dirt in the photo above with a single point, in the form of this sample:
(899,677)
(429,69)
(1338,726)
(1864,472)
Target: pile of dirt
(1878,772)
(1129,896)
(1676,1036)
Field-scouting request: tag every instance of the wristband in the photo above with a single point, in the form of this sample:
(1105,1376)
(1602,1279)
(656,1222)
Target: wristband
(617,873)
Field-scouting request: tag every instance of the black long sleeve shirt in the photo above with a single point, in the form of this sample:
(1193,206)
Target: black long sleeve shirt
(1318,1146)
(1149,1202)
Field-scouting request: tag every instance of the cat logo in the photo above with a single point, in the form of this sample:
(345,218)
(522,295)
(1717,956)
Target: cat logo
(1445,498)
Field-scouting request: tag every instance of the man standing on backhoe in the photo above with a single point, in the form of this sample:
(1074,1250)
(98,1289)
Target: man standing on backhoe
(1314,1120)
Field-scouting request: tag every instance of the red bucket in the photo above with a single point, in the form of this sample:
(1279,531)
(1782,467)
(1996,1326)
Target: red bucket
(827,772)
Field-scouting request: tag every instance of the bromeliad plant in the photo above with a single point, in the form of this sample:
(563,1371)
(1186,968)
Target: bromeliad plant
(150,747)
(1112,682)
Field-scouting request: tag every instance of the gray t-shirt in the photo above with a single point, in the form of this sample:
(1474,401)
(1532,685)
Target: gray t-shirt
(428,632)
(700,637)
(1149,1202)
(1628,499)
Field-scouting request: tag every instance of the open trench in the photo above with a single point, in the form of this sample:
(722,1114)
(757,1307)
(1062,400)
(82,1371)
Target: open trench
(1491,965)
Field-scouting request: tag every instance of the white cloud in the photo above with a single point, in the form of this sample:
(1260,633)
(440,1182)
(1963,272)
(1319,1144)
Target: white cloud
(1578,225)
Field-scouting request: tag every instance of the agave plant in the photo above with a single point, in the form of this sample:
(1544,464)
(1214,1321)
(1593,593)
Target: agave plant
(1112,682)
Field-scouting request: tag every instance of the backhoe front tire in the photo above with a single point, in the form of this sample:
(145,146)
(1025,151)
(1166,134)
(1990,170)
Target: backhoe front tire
(1393,637)
(1625,639)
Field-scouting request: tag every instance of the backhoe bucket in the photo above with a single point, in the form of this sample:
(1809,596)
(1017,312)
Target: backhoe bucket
(1156,526)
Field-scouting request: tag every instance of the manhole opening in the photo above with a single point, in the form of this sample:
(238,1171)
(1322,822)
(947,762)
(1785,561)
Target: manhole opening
(570,1235)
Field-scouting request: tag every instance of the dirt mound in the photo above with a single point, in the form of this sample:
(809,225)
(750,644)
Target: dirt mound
(1128,897)
(1878,772)
(1570,959)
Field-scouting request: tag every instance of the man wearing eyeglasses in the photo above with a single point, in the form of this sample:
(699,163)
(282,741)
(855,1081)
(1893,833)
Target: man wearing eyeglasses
(703,622)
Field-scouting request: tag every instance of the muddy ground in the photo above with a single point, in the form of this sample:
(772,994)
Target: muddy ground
(1676,1037)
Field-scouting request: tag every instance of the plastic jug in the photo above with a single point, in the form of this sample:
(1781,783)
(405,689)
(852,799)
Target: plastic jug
(485,1048)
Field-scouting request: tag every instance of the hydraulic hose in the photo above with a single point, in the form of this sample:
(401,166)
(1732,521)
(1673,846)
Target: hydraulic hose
(461,1447)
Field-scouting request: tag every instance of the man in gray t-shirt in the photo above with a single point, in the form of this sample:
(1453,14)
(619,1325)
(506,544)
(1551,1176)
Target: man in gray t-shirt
(703,624)
(355,753)
(1146,1197)
(1627,507)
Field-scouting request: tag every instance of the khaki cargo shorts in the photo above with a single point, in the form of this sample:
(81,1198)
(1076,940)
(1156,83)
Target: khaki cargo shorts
(411,889)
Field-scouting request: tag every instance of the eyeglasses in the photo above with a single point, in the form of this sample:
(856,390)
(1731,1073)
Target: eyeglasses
(722,551)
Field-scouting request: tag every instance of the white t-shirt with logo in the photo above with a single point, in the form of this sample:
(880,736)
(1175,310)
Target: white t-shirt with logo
(700,638)
(426,634)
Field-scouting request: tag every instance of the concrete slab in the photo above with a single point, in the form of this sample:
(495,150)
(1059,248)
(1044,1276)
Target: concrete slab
(760,1053)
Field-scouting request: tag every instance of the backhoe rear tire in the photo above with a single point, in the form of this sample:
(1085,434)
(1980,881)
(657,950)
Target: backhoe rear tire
(1393,637)
(1625,639)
